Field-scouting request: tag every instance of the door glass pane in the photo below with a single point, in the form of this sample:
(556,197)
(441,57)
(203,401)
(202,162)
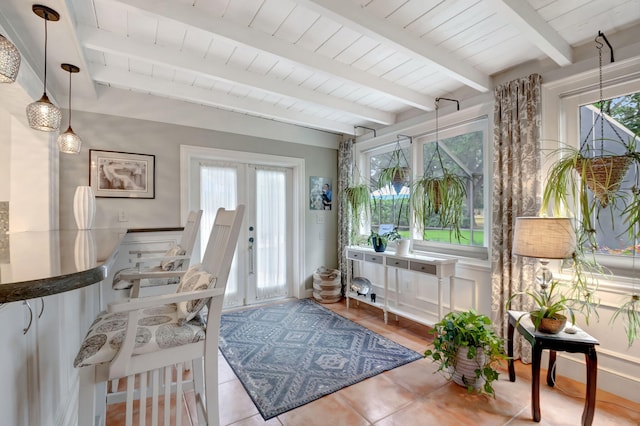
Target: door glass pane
(218,188)
(271,234)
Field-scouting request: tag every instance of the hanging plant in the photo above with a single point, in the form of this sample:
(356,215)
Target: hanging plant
(397,173)
(442,197)
(630,313)
(358,197)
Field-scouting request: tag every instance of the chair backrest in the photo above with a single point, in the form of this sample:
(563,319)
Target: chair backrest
(222,244)
(190,232)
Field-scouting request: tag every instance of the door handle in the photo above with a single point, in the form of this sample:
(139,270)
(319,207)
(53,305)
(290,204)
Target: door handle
(251,255)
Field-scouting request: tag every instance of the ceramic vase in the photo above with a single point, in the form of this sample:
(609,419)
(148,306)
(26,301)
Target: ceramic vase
(84,207)
(402,247)
(464,373)
(84,251)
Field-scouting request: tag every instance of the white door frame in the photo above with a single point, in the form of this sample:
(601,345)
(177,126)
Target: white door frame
(188,153)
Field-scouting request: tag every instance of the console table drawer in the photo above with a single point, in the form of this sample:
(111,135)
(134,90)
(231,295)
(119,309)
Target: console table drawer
(398,263)
(355,255)
(425,268)
(373,258)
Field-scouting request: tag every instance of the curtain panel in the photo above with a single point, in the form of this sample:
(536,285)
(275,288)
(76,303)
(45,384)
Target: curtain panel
(345,177)
(516,177)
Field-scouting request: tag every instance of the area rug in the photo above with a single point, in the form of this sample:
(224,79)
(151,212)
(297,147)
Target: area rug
(289,354)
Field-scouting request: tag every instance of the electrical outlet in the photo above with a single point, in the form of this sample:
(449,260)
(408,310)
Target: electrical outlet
(122,216)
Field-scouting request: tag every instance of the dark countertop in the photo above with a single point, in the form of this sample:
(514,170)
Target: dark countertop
(42,263)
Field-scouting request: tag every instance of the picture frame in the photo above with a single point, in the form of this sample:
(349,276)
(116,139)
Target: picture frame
(320,193)
(114,174)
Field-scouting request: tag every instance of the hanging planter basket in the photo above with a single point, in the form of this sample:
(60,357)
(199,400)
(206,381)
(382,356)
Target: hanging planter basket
(400,178)
(603,175)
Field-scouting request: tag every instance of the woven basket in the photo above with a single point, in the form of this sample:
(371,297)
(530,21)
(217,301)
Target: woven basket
(603,174)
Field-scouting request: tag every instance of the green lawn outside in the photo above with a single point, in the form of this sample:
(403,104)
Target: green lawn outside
(443,236)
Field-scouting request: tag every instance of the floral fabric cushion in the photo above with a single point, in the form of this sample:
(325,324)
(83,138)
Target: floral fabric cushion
(172,265)
(193,280)
(158,328)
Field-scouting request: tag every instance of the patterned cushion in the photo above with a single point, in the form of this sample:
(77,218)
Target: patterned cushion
(158,328)
(172,265)
(193,280)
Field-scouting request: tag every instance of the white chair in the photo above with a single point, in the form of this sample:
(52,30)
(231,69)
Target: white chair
(152,336)
(176,258)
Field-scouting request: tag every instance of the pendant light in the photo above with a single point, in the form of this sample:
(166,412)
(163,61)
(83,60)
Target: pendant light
(9,61)
(42,114)
(69,142)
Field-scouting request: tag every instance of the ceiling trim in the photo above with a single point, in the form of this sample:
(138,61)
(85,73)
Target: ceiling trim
(212,98)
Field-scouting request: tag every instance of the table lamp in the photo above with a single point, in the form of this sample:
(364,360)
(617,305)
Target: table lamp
(544,238)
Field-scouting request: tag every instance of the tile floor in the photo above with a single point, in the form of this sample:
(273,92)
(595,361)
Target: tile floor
(412,395)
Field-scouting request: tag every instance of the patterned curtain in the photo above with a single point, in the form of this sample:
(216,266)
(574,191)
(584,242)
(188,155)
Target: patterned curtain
(516,172)
(345,176)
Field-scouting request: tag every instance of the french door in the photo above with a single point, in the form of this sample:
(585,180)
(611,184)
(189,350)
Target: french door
(261,269)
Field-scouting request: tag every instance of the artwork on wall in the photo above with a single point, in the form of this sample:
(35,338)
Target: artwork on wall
(122,174)
(320,193)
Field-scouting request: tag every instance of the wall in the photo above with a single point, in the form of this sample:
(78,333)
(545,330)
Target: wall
(163,140)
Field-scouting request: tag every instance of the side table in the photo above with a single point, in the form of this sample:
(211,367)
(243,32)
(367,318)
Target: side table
(580,342)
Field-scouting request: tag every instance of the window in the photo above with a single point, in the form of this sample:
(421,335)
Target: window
(390,204)
(461,151)
(606,133)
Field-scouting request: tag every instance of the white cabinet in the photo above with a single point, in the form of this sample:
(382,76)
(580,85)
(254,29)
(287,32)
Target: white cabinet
(39,383)
(394,296)
(14,364)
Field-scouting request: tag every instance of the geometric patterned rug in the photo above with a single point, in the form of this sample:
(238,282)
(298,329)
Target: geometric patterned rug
(289,354)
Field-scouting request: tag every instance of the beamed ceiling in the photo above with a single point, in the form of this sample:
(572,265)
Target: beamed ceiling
(324,64)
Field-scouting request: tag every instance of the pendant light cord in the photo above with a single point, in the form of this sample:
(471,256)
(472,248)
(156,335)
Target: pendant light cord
(46,16)
(69,98)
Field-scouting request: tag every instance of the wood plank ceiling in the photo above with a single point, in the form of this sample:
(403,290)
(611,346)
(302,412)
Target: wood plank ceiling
(324,64)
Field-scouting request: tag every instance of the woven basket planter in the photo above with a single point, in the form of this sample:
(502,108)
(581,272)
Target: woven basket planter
(327,287)
(603,175)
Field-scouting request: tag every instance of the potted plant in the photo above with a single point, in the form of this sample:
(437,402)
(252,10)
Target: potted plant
(378,241)
(468,350)
(550,306)
(397,173)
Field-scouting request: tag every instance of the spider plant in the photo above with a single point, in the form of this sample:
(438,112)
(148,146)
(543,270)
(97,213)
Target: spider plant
(396,174)
(440,196)
(359,198)
(630,313)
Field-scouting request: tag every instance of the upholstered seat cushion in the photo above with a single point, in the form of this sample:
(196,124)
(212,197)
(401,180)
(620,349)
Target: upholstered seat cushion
(158,328)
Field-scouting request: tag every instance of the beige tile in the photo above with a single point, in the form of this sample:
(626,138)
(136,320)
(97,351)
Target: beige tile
(257,420)
(376,397)
(235,403)
(329,410)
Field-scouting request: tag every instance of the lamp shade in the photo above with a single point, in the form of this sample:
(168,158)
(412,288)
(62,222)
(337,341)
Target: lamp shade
(43,115)
(69,142)
(9,61)
(544,237)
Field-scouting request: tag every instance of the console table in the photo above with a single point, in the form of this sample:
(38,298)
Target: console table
(579,342)
(441,268)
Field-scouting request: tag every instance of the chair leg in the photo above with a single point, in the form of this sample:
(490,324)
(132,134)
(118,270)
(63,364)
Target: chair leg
(92,398)
(211,387)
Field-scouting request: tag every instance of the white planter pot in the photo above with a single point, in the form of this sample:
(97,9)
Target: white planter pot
(465,371)
(402,247)
(84,207)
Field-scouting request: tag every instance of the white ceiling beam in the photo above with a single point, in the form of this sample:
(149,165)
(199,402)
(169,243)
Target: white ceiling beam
(197,95)
(152,53)
(189,16)
(522,16)
(351,15)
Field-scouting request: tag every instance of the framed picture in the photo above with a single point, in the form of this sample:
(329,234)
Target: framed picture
(122,174)
(320,193)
